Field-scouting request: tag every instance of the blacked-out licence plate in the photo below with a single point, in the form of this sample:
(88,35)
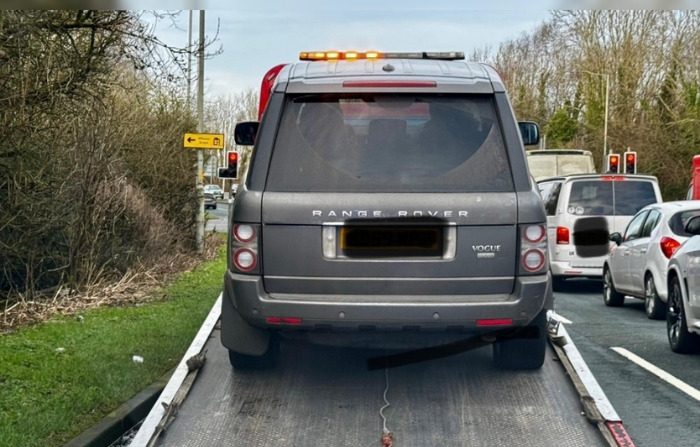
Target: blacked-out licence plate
(377,241)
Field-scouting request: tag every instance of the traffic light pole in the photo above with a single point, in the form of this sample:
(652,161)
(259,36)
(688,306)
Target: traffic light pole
(200,128)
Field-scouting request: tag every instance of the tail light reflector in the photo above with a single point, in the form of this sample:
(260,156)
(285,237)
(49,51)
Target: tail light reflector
(490,322)
(291,321)
(669,246)
(562,235)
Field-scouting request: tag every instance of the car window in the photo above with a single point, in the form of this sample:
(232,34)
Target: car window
(550,196)
(634,229)
(678,221)
(651,223)
(386,143)
(541,166)
(631,196)
(607,198)
(591,198)
(573,164)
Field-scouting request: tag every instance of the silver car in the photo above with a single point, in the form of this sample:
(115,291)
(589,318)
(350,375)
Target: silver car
(683,315)
(639,259)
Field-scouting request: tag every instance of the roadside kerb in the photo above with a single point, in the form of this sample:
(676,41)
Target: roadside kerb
(150,425)
(116,423)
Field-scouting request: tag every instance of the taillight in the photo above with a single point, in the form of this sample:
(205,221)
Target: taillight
(669,246)
(533,260)
(245,259)
(244,248)
(562,235)
(243,233)
(533,249)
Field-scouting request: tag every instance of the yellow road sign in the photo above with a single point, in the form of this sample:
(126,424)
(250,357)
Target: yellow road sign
(204,140)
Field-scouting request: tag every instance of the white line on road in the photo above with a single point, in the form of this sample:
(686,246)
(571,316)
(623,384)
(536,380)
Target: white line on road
(556,316)
(660,373)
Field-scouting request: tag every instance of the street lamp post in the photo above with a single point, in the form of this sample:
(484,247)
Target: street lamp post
(605,126)
(607,101)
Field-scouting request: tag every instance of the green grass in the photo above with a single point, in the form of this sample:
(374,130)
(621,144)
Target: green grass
(48,397)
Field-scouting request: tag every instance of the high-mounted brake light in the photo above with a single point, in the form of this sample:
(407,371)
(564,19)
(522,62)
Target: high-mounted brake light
(392,84)
(612,178)
(373,55)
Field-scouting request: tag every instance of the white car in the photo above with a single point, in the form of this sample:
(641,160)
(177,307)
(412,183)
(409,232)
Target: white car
(215,191)
(583,210)
(637,263)
(683,317)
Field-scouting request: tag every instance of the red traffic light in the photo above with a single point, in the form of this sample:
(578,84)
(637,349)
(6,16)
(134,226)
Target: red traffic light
(630,162)
(231,170)
(613,163)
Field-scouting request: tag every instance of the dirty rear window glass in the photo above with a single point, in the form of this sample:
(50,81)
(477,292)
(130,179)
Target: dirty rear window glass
(551,165)
(389,143)
(608,198)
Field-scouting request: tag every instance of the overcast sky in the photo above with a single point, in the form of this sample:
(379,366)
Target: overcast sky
(256,35)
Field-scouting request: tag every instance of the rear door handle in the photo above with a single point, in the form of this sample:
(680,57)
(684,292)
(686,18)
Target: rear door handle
(643,250)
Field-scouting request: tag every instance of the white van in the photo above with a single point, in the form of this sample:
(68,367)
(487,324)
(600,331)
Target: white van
(582,212)
(552,162)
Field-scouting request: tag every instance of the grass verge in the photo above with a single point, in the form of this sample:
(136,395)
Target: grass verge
(60,377)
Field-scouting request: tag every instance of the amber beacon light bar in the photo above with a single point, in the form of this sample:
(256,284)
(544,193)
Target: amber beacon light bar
(357,55)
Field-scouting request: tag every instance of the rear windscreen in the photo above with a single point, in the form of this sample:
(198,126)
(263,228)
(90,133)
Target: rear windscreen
(679,220)
(608,198)
(389,143)
(551,165)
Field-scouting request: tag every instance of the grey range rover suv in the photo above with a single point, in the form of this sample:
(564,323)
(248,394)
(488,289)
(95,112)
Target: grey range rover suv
(387,199)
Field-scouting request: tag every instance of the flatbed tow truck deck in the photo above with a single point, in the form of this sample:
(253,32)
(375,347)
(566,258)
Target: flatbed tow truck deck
(323,396)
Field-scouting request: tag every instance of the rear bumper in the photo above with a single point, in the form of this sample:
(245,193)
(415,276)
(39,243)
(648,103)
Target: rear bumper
(387,312)
(562,268)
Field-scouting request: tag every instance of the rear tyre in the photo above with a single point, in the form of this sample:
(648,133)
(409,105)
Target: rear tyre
(611,297)
(653,306)
(244,362)
(679,338)
(526,350)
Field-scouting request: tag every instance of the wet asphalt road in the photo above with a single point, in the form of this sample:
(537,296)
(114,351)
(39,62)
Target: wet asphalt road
(654,412)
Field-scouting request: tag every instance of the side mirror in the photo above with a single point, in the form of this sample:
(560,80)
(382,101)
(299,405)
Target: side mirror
(693,225)
(616,237)
(530,132)
(245,133)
